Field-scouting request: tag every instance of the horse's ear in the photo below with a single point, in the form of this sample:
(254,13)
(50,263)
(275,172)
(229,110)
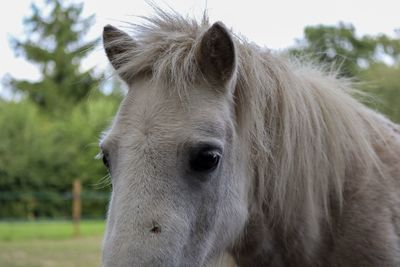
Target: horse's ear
(216,54)
(117,45)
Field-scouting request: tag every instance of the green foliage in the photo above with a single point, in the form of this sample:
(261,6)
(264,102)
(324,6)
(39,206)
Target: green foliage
(383,81)
(40,157)
(54,43)
(340,45)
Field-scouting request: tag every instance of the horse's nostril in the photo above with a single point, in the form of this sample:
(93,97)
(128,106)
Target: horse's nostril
(156,228)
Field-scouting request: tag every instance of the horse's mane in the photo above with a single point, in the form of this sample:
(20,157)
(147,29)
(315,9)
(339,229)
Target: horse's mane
(305,132)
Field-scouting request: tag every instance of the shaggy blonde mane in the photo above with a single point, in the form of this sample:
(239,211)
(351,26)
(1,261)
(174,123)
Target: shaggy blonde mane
(304,131)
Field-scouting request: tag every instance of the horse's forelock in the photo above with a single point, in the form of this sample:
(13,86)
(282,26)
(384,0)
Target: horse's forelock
(164,50)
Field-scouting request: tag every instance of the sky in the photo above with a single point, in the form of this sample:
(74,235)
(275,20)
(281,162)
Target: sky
(275,24)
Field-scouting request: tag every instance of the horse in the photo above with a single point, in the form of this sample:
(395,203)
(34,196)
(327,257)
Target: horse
(223,148)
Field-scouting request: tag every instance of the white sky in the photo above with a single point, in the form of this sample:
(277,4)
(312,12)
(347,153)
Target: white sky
(272,23)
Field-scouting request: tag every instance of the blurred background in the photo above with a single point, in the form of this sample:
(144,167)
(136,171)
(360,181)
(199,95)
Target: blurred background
(57,94)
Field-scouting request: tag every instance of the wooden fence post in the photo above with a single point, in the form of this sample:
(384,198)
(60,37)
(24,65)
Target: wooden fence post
(76,205)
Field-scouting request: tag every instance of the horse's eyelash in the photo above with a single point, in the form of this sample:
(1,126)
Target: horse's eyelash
(99,155)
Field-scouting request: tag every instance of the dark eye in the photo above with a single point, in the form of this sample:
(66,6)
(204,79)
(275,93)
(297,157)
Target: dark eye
(105,160)
(204,159)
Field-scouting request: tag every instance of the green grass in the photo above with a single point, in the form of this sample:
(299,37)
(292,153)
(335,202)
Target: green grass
(50,244)
(73,252)
(10,231)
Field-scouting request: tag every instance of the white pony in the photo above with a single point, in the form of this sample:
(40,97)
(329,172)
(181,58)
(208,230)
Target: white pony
(222,146)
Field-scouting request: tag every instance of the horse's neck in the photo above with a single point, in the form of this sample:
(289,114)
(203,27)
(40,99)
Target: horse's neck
(388,148)
(264,245)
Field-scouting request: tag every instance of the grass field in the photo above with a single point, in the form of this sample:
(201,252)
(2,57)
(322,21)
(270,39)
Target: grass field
(50,244)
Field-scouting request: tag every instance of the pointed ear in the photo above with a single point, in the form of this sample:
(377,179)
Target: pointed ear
(216,55)
(117,45)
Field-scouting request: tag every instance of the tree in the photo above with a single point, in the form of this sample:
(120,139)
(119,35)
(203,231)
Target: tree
(54,43)
(383,82)
(49,137)
(40,157)
(340,45)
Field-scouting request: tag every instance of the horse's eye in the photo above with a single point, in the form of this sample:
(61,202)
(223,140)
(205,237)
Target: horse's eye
(105,160)
(204,159)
